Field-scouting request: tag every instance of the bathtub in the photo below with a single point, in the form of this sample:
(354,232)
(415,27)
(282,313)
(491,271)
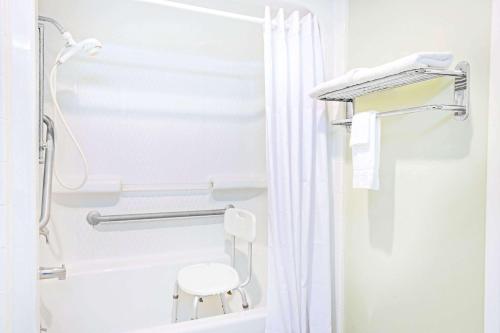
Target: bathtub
(134,295)
(252,321)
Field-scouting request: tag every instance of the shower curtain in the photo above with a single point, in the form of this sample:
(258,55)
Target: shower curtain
(299,290)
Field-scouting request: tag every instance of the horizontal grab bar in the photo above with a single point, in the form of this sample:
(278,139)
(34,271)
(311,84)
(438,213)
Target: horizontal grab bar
(95,218)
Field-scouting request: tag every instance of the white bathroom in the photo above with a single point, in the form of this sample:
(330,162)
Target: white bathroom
(250,166)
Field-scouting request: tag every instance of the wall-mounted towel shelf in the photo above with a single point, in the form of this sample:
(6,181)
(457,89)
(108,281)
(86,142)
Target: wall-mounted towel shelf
(460,108)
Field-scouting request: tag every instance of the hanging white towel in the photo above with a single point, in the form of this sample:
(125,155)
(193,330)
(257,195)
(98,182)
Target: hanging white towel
(359,75)
(365,144)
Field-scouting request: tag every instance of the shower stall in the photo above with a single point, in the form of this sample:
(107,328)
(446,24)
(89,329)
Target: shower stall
(130,108)
(151,147)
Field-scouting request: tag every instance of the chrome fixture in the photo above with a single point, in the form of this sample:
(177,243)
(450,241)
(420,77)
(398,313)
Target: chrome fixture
(89,46)
(48,167)
(45,273)
(461,76)
(47,144)
(95,218)
(41,74)
(446,108)
(56,24)
(41,90)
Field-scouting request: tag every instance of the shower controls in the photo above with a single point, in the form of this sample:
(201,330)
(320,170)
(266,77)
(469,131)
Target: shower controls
(46,273)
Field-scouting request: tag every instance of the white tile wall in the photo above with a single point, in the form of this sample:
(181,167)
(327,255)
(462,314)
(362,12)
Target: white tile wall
(3,183)
(3,311)
(3,227)
(3,197)
(3,230)
(3,215)
(3,136)
(3,263)
(22,308)
(3,238)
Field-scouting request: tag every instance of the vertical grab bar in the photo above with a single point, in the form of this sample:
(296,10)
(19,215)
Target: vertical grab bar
(48,167)
(41,92)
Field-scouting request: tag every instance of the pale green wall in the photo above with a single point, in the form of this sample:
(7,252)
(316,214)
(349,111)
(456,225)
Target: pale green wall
(415,249)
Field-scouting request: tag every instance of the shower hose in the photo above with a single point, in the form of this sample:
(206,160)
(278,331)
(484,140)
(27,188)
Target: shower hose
(60,115)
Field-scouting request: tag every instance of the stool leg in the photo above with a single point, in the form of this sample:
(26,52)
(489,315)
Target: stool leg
(244,300)
(223,302)
(175,302)
(196,302)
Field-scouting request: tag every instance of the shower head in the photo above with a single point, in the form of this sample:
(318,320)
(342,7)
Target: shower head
(89,46)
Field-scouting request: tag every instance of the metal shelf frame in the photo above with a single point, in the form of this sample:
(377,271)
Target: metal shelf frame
(460,108)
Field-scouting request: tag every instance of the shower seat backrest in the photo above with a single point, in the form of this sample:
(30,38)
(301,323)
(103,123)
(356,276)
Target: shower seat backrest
(241,224)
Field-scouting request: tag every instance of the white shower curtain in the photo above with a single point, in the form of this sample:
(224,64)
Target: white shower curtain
(299,290)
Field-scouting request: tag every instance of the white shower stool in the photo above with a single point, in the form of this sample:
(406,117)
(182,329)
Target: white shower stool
(212,279)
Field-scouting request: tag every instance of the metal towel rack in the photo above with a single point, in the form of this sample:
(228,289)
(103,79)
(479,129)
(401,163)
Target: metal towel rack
(95,218)
(460,109)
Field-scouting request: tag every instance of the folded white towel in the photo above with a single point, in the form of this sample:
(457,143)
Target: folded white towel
(365,144)
(359,75)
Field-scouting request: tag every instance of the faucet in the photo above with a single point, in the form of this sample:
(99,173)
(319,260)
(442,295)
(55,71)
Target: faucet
(45,273)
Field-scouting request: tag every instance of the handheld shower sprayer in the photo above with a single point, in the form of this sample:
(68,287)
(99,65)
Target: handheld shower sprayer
(90,47)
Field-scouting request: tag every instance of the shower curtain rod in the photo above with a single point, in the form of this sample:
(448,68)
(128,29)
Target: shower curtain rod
(204,10)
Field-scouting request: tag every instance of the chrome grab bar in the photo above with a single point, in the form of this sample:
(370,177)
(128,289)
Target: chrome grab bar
(48,167)
(95,218)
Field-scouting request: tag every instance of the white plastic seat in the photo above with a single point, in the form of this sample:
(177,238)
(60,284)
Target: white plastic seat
(211,279)
(208,279)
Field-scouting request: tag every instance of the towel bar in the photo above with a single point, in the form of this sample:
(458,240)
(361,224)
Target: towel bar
(458,110)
